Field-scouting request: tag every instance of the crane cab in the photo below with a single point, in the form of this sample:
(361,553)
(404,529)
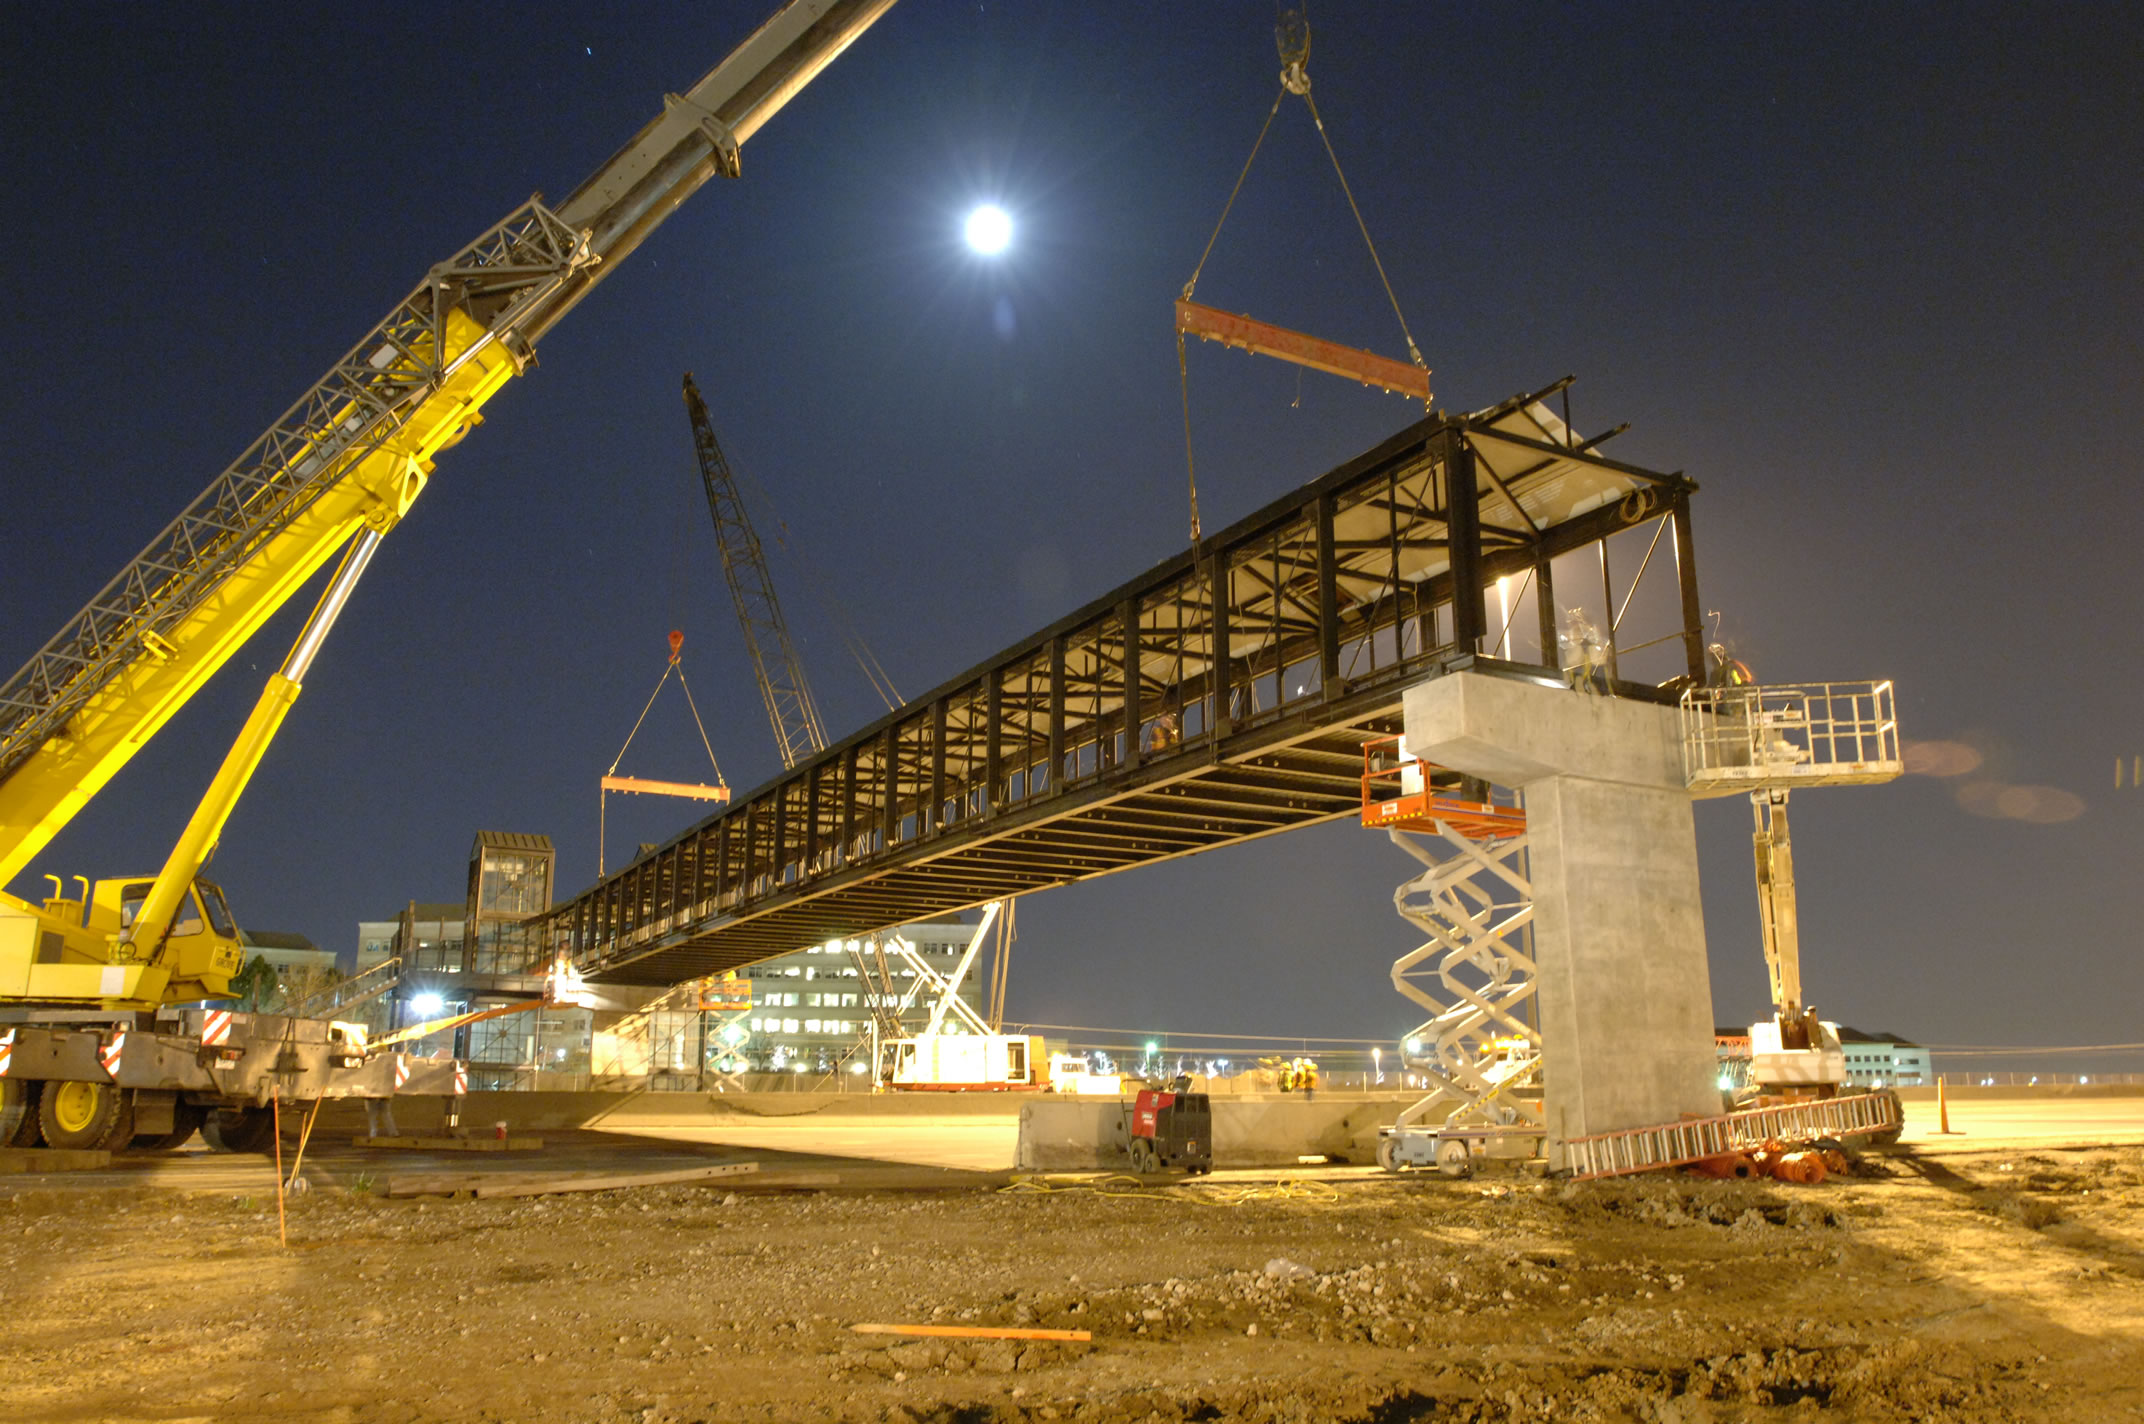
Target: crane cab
(67,950)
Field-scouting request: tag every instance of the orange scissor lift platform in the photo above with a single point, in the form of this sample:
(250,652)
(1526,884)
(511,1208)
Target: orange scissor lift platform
(1403,792)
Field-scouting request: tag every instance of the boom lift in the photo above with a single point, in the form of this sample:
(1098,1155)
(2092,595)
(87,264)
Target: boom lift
(1767,741)
(337,472)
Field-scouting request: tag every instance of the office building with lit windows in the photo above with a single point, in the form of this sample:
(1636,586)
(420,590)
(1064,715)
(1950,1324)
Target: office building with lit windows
(808,1006)
(808,1012)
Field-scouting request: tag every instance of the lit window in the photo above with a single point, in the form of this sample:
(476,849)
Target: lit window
(789,1025)
(811,1025)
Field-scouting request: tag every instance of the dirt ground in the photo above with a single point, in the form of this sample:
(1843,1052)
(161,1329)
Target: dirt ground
(1977,1286)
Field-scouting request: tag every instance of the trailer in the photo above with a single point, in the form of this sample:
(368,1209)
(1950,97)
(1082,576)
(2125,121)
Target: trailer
(149,1081)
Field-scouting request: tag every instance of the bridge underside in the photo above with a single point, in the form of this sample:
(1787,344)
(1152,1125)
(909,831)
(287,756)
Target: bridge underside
(1222,696)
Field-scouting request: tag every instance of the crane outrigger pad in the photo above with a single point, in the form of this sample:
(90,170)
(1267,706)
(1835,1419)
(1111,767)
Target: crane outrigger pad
(1249,334)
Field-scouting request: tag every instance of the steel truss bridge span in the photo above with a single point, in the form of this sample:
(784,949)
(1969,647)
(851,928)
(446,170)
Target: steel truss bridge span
(1223,695)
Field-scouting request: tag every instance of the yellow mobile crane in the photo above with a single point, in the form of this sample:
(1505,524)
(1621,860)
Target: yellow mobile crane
(339,470)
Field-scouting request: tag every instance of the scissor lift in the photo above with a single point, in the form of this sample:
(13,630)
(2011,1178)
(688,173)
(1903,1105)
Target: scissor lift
(1474,973)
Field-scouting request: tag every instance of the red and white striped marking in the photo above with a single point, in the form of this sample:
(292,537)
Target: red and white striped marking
(109,1054)
(461,1081)
(7,1050)
(216,1028)
(401,1071)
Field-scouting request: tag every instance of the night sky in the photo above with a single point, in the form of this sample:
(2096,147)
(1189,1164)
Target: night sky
(1869,274)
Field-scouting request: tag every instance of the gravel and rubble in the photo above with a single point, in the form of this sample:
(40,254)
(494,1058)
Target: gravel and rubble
(1989,1288)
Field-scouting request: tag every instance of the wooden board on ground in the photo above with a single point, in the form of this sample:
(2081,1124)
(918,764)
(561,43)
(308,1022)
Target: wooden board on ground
(975,1332)
(488,1187)
(454,1144)
(52,1159)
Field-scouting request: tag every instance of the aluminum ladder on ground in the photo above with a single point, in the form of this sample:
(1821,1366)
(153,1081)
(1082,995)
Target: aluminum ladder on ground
(1677,1144)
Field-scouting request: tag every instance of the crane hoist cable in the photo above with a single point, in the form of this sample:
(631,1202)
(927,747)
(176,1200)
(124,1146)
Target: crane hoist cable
(611,781)
(830,602)
(1292,38)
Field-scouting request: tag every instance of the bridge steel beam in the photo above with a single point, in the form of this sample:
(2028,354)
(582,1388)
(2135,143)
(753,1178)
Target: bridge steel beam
(1221,696)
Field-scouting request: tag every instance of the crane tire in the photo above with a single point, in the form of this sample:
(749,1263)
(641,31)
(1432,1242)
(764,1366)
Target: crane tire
(186,1119)
(240,1130)
(121,1132)
(1388,1153)
(75,1113)
(18,1113)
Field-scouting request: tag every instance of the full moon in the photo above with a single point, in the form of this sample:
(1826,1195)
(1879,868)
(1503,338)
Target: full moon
(989,229)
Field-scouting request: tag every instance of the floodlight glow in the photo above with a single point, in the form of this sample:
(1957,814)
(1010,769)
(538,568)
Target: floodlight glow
(989,230)
(426,1005)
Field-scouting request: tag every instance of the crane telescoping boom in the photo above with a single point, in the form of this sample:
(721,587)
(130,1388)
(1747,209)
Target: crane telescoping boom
(343,464)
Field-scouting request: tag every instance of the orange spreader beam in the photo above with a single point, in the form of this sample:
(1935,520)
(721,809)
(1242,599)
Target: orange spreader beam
(692,791)
(1248,334)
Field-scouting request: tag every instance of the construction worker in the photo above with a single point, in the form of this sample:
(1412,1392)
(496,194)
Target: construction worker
(1728,670)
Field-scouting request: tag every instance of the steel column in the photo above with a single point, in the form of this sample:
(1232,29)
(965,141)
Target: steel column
(1693,609)
(994,741)
(1128,617)
(1057,713)
(1328,601)
(1470,618)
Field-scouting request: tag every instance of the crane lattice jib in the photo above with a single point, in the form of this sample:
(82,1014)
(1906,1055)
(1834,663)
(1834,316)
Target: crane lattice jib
(798,732)
(356,448)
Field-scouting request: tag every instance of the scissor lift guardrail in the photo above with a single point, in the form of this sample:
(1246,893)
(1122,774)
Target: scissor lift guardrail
(1677,1144)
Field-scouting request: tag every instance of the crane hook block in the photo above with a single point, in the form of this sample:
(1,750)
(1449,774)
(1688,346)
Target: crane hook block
(677,643)
(1291,35)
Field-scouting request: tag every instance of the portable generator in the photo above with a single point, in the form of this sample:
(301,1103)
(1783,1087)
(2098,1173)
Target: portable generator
(1172,1127)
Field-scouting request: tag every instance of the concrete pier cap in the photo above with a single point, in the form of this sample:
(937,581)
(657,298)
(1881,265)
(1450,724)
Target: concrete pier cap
(1625,990)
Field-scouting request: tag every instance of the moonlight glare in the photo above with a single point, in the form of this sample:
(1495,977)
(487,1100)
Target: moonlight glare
(989,230)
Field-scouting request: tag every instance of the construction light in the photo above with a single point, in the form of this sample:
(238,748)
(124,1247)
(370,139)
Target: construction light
(1152,1046)
(426,1005)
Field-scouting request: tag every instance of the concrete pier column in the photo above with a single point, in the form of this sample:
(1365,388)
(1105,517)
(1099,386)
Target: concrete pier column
(1619,933)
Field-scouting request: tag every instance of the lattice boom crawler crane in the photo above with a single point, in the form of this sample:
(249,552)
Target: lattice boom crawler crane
(94,1050)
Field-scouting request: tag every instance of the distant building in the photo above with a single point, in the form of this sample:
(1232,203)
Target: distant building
(1884,1060)
(1873,1060)
(286,952)
(808,1007)
(431,929)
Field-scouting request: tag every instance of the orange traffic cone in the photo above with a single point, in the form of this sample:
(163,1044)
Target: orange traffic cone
(1942,1109)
